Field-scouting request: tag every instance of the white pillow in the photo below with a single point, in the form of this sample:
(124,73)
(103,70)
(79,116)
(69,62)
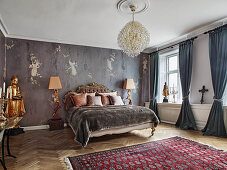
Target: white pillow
(116,100)
(109,94)
(90,94)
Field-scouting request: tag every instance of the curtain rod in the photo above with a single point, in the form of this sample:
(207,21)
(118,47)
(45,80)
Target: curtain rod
(171,46)
(215,29)
(175,44)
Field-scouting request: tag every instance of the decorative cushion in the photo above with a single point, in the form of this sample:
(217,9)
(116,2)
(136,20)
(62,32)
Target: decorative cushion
(94,101)
(79,100)
(67,99)
(91,94)
(109,94)
(116,100)
(105,99)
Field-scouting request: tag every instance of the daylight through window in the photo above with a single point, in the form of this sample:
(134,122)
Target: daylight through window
(169,73)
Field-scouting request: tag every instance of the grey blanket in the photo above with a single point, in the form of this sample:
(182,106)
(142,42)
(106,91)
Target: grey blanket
(84,120)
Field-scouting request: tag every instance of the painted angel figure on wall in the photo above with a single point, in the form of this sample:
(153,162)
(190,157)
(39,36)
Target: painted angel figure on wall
(34,66)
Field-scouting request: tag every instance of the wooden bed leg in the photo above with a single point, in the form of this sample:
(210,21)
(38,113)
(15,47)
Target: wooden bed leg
(152,130)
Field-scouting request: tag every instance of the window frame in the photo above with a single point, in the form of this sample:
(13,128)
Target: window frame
(168,72)
(166,56)
(225,97)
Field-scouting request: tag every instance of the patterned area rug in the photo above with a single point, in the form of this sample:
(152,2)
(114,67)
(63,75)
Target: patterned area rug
(171,153)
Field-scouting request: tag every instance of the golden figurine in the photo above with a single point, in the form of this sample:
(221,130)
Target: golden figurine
(15,106)
(165,93)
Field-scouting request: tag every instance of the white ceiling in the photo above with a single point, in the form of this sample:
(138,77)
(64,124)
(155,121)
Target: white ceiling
(98,22)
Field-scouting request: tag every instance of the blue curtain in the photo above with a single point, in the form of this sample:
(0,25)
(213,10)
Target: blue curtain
(186,118)
(154,73)
(218,62)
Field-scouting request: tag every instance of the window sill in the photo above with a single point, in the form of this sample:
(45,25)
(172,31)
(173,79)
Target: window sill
(192,105)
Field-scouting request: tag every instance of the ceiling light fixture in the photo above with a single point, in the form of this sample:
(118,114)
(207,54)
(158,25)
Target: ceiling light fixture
(134,37)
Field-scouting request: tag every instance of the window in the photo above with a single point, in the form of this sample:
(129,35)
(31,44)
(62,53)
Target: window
(225,97)
(169,73)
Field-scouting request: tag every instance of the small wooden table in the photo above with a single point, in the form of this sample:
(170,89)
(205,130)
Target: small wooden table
(5,128)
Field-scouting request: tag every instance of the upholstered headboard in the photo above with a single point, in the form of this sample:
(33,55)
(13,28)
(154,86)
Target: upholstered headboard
(93,88)
(90,88)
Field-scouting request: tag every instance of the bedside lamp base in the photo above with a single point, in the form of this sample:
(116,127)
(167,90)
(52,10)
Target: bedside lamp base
(129,97)
(56,100)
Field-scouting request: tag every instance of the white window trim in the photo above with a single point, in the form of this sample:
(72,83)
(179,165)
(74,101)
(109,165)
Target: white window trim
(167,55)
(225,97)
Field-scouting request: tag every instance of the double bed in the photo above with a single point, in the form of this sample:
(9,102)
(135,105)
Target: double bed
(94,121)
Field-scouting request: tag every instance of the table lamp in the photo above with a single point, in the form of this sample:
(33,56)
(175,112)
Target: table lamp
(129,84)
(55,84)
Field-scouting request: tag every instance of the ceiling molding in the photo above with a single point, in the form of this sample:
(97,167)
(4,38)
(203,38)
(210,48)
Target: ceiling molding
(57,41)
(6,33)
(3,27)
(190,35)
(151,49)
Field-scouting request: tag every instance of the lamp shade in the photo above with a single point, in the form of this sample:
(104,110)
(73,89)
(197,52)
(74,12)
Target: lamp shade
(55,82)
(129,84)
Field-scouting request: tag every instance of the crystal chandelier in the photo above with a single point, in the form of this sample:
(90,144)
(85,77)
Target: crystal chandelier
(134,37)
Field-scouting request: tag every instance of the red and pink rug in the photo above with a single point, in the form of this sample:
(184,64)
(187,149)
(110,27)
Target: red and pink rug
(171,153)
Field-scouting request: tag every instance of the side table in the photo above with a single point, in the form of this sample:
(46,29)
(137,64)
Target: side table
(6,127)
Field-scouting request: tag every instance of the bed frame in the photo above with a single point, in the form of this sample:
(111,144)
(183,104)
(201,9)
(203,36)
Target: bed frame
(95,87)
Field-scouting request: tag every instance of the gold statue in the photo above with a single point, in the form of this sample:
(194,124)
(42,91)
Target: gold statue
(165,93)
(15,106)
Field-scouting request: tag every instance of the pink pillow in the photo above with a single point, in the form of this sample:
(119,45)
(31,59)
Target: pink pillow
(79,100)
(116,100)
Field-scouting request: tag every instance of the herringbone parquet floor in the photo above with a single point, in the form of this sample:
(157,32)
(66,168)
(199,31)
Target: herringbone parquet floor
(45,150)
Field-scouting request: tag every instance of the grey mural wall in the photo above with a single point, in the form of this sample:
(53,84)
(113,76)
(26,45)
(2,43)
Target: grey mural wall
(2,57)
(34,62)
(144,78)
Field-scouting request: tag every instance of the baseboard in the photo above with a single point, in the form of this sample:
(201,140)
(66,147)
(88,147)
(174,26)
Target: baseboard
(169,122)
(40,127)
(200,125)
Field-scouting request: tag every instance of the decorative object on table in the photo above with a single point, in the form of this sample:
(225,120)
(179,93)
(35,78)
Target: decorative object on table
(15,106)
(3,102)
(16,131)
(55,123)
(55,84)
(129,84)
(134,37)
(170,153)
(174,92)
(6,130)
(203,90)
(165,93)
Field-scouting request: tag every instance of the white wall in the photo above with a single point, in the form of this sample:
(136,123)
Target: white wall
(169,113)
(201,74)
